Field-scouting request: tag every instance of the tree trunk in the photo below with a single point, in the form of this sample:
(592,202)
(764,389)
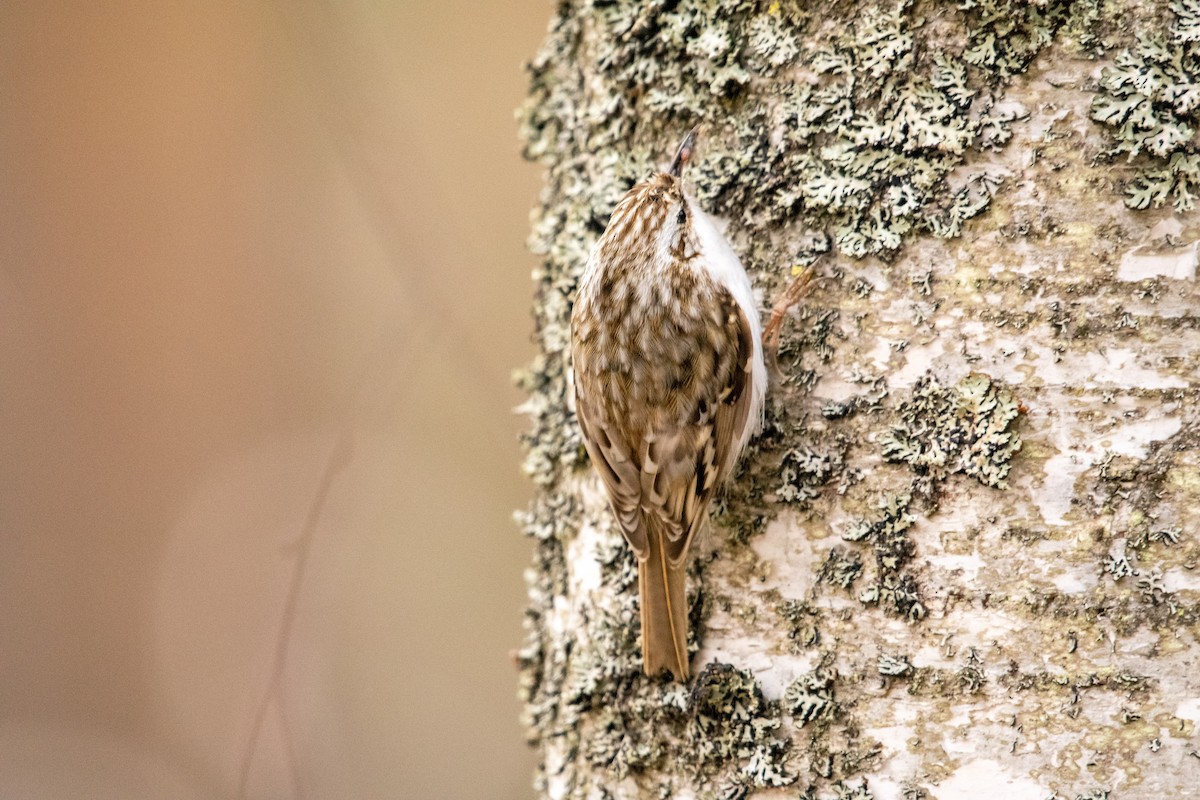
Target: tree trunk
(959,561)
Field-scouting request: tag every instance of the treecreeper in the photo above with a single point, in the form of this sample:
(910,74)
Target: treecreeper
(666,341)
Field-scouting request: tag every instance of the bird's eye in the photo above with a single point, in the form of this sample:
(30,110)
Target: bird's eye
(681,217)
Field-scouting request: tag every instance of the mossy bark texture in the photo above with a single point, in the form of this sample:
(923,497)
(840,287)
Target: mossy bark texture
(960,561)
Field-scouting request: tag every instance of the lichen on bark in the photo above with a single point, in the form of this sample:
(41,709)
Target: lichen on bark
(961,554)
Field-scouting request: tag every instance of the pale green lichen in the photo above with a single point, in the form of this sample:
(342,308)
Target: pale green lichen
(868,145)
(1005,35)
(1150,99)
(891,666)
(966,429)
(898,593)
(810,698)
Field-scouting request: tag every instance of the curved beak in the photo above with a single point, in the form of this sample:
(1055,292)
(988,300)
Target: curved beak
(684,153)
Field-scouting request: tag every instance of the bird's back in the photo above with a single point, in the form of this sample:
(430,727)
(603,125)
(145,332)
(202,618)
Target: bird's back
(651,347)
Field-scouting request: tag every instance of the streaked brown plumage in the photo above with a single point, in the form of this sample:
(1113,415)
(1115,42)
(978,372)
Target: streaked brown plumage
(669,385)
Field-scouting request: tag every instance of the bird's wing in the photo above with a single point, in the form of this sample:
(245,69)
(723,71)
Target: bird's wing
(682,466)
(613,460)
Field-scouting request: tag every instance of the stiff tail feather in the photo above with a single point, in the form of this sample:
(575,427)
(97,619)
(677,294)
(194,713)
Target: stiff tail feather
(664,611)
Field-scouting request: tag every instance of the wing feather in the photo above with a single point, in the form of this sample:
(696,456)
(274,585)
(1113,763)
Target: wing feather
(619,474)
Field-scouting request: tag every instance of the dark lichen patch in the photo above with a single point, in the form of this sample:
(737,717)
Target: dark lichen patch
(803,473)
(742,510)
(1107,612)
(787,464)
(1086,30)
(897,593)
(733,726)
(1084,320)
(966,429)
(801,620)
(638,746)
(840,568)
(893,519)
(853,791)
(937,432)
(1150,100)
(837,765)
(1143,538)
(613,648)
(894,590)
(806,343)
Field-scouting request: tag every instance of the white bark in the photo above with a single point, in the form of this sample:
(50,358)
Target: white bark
(895,600)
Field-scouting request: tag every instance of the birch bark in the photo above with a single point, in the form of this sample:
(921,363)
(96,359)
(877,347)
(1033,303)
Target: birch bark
(960,561)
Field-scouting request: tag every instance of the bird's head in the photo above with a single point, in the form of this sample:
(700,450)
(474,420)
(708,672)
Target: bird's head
(657,212)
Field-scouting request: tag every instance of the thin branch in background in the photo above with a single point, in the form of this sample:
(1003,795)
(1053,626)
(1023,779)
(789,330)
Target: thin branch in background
(338,459)
(288,745)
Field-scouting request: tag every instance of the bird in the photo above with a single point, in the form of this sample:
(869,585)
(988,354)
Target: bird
(669,382)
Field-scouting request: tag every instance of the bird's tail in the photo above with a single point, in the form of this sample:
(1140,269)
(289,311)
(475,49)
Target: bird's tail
(664,610)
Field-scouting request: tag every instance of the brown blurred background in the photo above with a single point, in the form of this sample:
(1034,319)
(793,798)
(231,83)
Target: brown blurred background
(262,282)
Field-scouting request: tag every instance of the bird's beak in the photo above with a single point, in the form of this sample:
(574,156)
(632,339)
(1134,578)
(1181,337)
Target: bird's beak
(684,153)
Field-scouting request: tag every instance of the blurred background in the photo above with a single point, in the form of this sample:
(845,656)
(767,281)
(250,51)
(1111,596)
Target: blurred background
(262,283)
